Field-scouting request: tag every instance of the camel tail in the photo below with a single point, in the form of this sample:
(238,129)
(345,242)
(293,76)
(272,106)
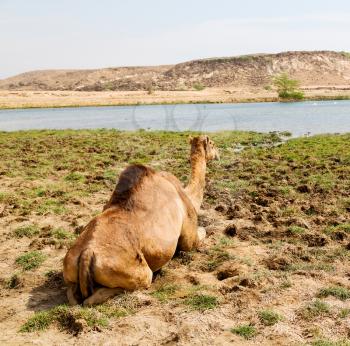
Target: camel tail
(86,273)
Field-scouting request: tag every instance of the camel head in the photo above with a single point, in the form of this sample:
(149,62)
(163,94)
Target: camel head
(203,142)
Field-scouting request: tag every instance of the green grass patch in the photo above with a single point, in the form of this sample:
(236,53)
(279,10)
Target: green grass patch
(64,316)
(345,227)
(339,292)
(51,206)
(201,302)
(286,284)
(61,234)
(29,231)
(326,342)
(74,177)
(110,310)
(269,317)
(246,331)
(30,260)
(165,292)
(296,230)
(315,309)
(39,321)
(344,313)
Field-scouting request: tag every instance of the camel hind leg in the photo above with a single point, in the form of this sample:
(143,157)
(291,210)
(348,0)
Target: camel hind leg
(101,295)
(72,294)
(138,276)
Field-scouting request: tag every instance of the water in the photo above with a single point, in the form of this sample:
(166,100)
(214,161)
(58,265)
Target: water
(298,118)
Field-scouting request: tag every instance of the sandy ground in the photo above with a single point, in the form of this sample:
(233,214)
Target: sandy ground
(26,99)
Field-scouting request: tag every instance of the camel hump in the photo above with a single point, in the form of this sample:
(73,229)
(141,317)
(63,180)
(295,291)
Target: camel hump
(129,182)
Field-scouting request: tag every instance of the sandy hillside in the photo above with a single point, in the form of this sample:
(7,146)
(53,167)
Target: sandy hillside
(318,68)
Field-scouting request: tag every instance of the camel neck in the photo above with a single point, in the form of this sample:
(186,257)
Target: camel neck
(195,188)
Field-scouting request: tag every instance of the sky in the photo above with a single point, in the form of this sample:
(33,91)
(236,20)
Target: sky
(71,34)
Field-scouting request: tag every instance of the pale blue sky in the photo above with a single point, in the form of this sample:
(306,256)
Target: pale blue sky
(47,34)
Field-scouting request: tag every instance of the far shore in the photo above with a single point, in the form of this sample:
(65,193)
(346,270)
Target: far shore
(22,99)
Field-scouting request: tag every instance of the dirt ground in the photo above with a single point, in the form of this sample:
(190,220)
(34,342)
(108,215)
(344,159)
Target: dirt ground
(26,99)
(273,269)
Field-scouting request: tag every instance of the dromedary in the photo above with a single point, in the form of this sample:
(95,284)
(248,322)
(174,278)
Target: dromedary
(147,218)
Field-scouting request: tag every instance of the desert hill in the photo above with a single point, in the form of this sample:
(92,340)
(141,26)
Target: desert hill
(316,68)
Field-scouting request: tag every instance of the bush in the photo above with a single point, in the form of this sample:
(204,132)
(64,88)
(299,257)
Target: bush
(198,86)
(288,89)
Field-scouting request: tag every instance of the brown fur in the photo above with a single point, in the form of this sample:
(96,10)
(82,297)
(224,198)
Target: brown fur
(148,217)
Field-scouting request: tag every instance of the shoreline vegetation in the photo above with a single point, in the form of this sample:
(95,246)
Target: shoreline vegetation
(67,99)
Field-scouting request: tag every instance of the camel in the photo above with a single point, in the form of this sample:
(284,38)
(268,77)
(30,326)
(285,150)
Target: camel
(148,217)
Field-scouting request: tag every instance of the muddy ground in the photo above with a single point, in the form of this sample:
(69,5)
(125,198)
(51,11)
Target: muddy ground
(273,270)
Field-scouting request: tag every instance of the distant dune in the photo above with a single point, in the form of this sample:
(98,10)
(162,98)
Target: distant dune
(318,69)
